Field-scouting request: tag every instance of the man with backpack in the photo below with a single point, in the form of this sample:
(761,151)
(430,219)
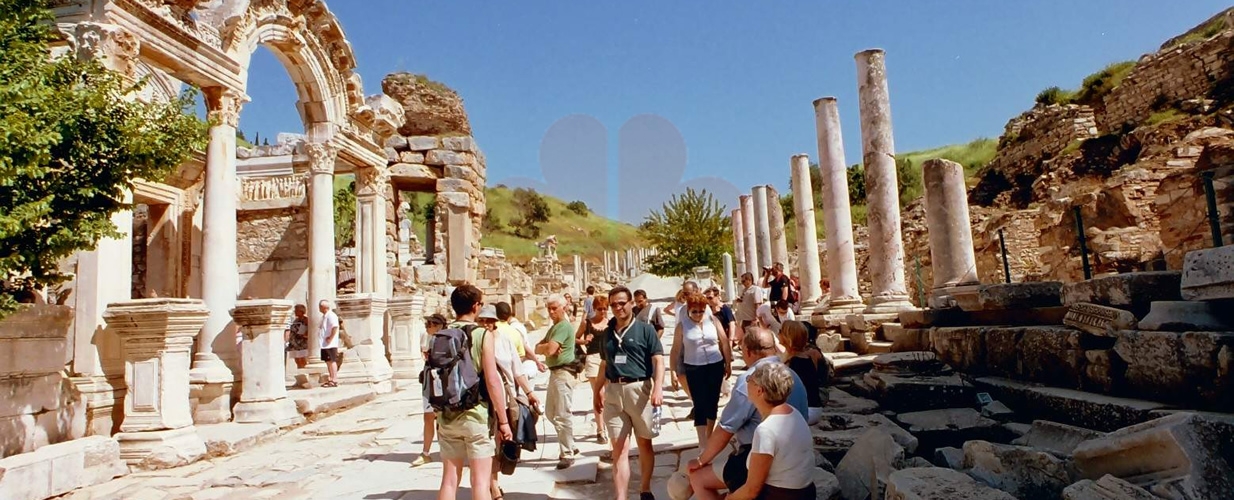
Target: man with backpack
(559,352)
(462,384)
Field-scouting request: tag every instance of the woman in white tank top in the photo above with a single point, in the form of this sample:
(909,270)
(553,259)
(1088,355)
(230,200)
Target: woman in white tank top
(701,346)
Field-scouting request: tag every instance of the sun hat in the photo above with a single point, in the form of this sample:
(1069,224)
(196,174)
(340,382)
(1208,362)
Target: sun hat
(489,311)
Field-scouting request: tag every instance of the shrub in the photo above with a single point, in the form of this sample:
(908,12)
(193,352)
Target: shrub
(491,222)
(578,207)
(1054,95)
(1098,84)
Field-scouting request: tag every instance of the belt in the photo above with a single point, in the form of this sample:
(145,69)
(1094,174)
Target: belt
(628,380)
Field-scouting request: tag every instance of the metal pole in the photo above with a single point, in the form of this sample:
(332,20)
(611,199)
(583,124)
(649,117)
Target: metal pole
(1079,229)
(1002,246)
(1214,220)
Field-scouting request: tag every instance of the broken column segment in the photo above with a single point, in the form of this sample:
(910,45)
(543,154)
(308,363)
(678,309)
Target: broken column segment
(361,317)
(156,338)
(952,258)
(888,293)
(838,219)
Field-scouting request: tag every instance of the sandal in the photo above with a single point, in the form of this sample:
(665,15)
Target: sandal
(330,384)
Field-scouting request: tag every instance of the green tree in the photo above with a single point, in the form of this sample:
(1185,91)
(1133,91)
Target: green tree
(578,207)
(689,231)
(786,206)
(345,216)
(533,211)
(856,185)
(72,141)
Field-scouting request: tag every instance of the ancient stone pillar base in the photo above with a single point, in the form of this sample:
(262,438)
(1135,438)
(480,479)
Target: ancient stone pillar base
(211,400)
(362,317)
(404,354)
(156,337)
(889,305)
(102,396)
(263,398)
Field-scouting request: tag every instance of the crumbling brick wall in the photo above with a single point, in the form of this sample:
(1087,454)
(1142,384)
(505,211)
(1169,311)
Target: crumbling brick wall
(1164,78)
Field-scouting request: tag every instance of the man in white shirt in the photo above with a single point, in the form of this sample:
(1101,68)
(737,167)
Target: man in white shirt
(329,335)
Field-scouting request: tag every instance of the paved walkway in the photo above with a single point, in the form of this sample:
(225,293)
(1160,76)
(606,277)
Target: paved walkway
(363,453)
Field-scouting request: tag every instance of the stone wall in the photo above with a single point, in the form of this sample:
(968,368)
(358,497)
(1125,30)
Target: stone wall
(1165,78)
(265,235)
(40,405)
(1037,135)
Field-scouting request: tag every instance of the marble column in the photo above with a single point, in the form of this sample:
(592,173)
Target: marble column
(578,275)
(362,317)
(214,363)
(606,265)
(807,232)
(322,274)
(729,289)
(952,257)
(837,214)
(888,291)
(739,241)
(156,338)
(263,398)
(751,239)
(762,228)
(779,237)
(371,272)
(404,352)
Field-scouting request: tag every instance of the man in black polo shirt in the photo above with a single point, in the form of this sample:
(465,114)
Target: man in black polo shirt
(632,364)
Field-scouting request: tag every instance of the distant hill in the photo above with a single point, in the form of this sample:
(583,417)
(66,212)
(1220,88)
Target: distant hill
(588,234)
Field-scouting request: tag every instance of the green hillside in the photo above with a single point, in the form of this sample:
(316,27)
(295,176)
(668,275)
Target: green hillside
(588,235)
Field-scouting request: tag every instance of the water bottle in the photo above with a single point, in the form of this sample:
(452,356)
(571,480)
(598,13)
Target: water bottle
(656,412)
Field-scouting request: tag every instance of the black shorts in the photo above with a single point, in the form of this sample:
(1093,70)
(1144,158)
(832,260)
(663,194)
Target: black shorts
(330,354)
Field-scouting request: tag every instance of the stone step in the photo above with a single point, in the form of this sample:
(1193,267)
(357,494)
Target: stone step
(879,347)
(329,399)
(57,469)
(229,438)
(1085,409)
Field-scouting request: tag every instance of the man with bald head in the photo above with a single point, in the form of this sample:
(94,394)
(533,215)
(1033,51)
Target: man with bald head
(558,349)
(738,421)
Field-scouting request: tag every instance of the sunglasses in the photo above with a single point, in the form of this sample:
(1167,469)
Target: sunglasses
(697,311)
(618,305)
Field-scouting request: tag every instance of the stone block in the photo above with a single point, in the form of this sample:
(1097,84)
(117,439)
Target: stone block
(931,483)
(949,457)
(1103,371)
(1181,449)
(1106,488)
(826,485)
(422,143)
(35,394)
(837,432)
(1008,296)
(391,155)
(1021,471)
(830,342)
(962,348)
(1056,438)
(949,427)
(430,274)
(926,318)
(867,466)
(396,142)
(908,339)
(1170,366)
(925,362)
(1208,274)
(901,393)
(1128,291)
(411,157)
(445,157)
(1184,316)
(403,172)
(1099,320)
(1050,355)
(60,468)
(839,401)
(460,143)
(1085,409)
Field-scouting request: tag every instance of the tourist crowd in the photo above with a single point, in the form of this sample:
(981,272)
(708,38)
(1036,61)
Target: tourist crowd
(483,360)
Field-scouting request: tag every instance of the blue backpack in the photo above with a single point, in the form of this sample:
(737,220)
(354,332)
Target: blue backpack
(451,377)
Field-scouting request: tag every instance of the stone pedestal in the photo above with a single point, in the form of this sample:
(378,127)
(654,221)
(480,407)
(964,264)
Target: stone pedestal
(807,233)
(263,398)
(405,358)
(156,338)
(838,218)
(888,291)
(762,228)
(952,258)
(362,317)
(750,235)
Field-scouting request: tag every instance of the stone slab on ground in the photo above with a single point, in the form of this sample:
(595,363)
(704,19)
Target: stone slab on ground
(1069,406)
(1024,472)
(837,432)
(933,483)
(1128,291)
(1183,449)
(1003,296)
(328,399)
(1106,488)
(1181,367)
(950,427)
(949,457)
(1208,274)
(905,393)
(850,363)
(1188,316)
(868,464)
(839,401)
(1056,438)
(230,437)
(60,468)
(1097,319)
(928,318)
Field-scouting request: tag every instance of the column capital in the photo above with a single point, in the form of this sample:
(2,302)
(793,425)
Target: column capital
(371,182)
(322,156)
(223,105)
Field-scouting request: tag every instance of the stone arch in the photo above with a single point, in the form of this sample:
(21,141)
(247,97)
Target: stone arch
(306,37)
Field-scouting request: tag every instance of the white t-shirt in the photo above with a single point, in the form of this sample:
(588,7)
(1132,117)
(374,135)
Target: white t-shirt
(768,318)
(788,440)
(328,323)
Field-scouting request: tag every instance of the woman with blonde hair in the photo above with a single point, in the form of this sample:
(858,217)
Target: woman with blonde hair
(809,365)
(781,459)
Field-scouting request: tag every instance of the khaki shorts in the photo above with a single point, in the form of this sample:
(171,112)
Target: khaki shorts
(593,366)
(464,439)
(626,407)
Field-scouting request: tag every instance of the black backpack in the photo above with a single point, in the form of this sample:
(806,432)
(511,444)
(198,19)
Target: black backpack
(451,377)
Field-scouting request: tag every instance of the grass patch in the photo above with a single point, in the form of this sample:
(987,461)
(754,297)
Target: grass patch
(1092,90)
(1209,30)
(1164,116)
(972,155)
(1071,148)
(586,234)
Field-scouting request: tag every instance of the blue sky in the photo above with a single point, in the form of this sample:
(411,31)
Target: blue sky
(728,85)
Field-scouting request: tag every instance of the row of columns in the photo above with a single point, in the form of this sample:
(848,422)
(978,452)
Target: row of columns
(628,262)
(758,223)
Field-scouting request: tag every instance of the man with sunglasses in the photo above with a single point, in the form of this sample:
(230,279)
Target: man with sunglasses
(632,365)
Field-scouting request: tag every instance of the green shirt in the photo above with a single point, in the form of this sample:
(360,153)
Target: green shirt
(563,334)
(638,343)
(478,413)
